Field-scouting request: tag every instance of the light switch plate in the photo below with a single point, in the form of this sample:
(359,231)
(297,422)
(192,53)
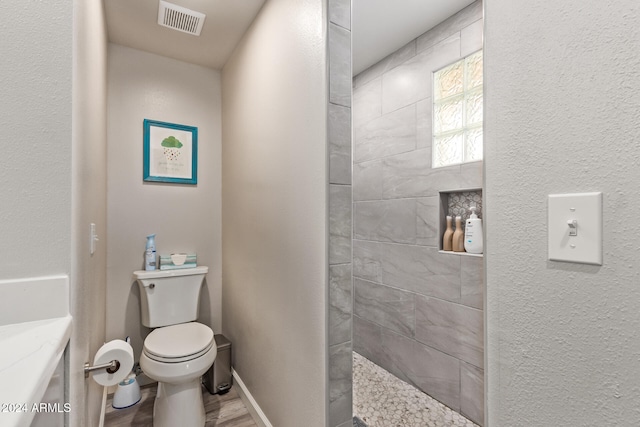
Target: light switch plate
(579,214)
(93,238)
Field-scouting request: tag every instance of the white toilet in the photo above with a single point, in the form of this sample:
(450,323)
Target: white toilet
(179,351)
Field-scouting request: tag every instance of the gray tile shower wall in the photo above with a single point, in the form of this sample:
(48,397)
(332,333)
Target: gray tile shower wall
(417,312)
(340,212)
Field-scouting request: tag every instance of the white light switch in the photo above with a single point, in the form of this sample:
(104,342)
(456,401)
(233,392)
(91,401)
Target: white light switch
(575,228)
(93,238)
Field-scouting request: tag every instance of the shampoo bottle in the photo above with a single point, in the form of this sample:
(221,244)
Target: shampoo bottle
(473,233)
(447,240)
(150,253)
(458,236)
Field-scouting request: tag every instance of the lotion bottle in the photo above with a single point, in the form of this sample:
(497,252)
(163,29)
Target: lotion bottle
(447,240)
(473,233)
(150,253)
(458,236)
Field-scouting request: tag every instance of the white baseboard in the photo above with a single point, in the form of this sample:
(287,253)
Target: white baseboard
(252,406)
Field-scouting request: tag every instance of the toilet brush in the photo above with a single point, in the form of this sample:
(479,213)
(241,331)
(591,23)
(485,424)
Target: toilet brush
(128,392)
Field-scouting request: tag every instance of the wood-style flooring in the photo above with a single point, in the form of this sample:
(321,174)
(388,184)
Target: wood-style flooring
(225,410)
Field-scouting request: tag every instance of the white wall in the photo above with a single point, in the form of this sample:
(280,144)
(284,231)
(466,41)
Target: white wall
(52,168)
(185,218)
(89,205)
(35,212)
(275,211)
(562,115)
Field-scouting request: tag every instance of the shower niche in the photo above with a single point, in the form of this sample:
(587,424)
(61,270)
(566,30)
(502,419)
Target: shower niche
(457,203)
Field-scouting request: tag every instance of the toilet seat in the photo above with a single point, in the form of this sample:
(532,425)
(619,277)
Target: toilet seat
(178,343)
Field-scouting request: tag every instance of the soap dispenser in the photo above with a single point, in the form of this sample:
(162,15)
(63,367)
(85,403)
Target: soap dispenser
(458,236)
(150,253)
(473,233)
(447,239)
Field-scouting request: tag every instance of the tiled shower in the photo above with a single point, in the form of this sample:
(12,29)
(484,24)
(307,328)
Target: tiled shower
(417,312)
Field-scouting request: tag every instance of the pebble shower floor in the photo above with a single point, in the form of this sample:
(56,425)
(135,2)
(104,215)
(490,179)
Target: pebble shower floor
(382,400)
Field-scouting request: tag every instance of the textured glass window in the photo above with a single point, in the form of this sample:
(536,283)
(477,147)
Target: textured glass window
(457,112)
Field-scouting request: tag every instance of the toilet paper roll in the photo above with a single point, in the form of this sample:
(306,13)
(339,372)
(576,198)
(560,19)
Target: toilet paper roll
(113,350)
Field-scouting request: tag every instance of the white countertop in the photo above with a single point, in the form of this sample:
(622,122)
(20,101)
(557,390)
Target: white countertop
(29,354)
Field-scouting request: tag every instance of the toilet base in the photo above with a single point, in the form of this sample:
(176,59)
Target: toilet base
(179,405)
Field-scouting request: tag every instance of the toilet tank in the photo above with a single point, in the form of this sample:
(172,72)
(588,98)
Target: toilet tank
(169,297)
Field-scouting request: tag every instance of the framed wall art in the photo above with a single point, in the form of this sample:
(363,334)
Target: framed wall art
(170,153)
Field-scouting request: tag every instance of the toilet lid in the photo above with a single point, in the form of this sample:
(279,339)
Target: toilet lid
(178,343)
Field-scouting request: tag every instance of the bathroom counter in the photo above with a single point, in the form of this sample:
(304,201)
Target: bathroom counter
(29,354)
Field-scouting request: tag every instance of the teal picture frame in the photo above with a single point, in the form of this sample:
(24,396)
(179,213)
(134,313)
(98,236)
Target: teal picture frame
(170,153)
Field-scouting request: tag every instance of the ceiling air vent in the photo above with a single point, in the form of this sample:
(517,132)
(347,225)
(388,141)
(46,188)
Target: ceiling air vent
(180,18)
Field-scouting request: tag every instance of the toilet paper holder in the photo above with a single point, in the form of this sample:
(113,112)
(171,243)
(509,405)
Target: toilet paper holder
(111,367)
